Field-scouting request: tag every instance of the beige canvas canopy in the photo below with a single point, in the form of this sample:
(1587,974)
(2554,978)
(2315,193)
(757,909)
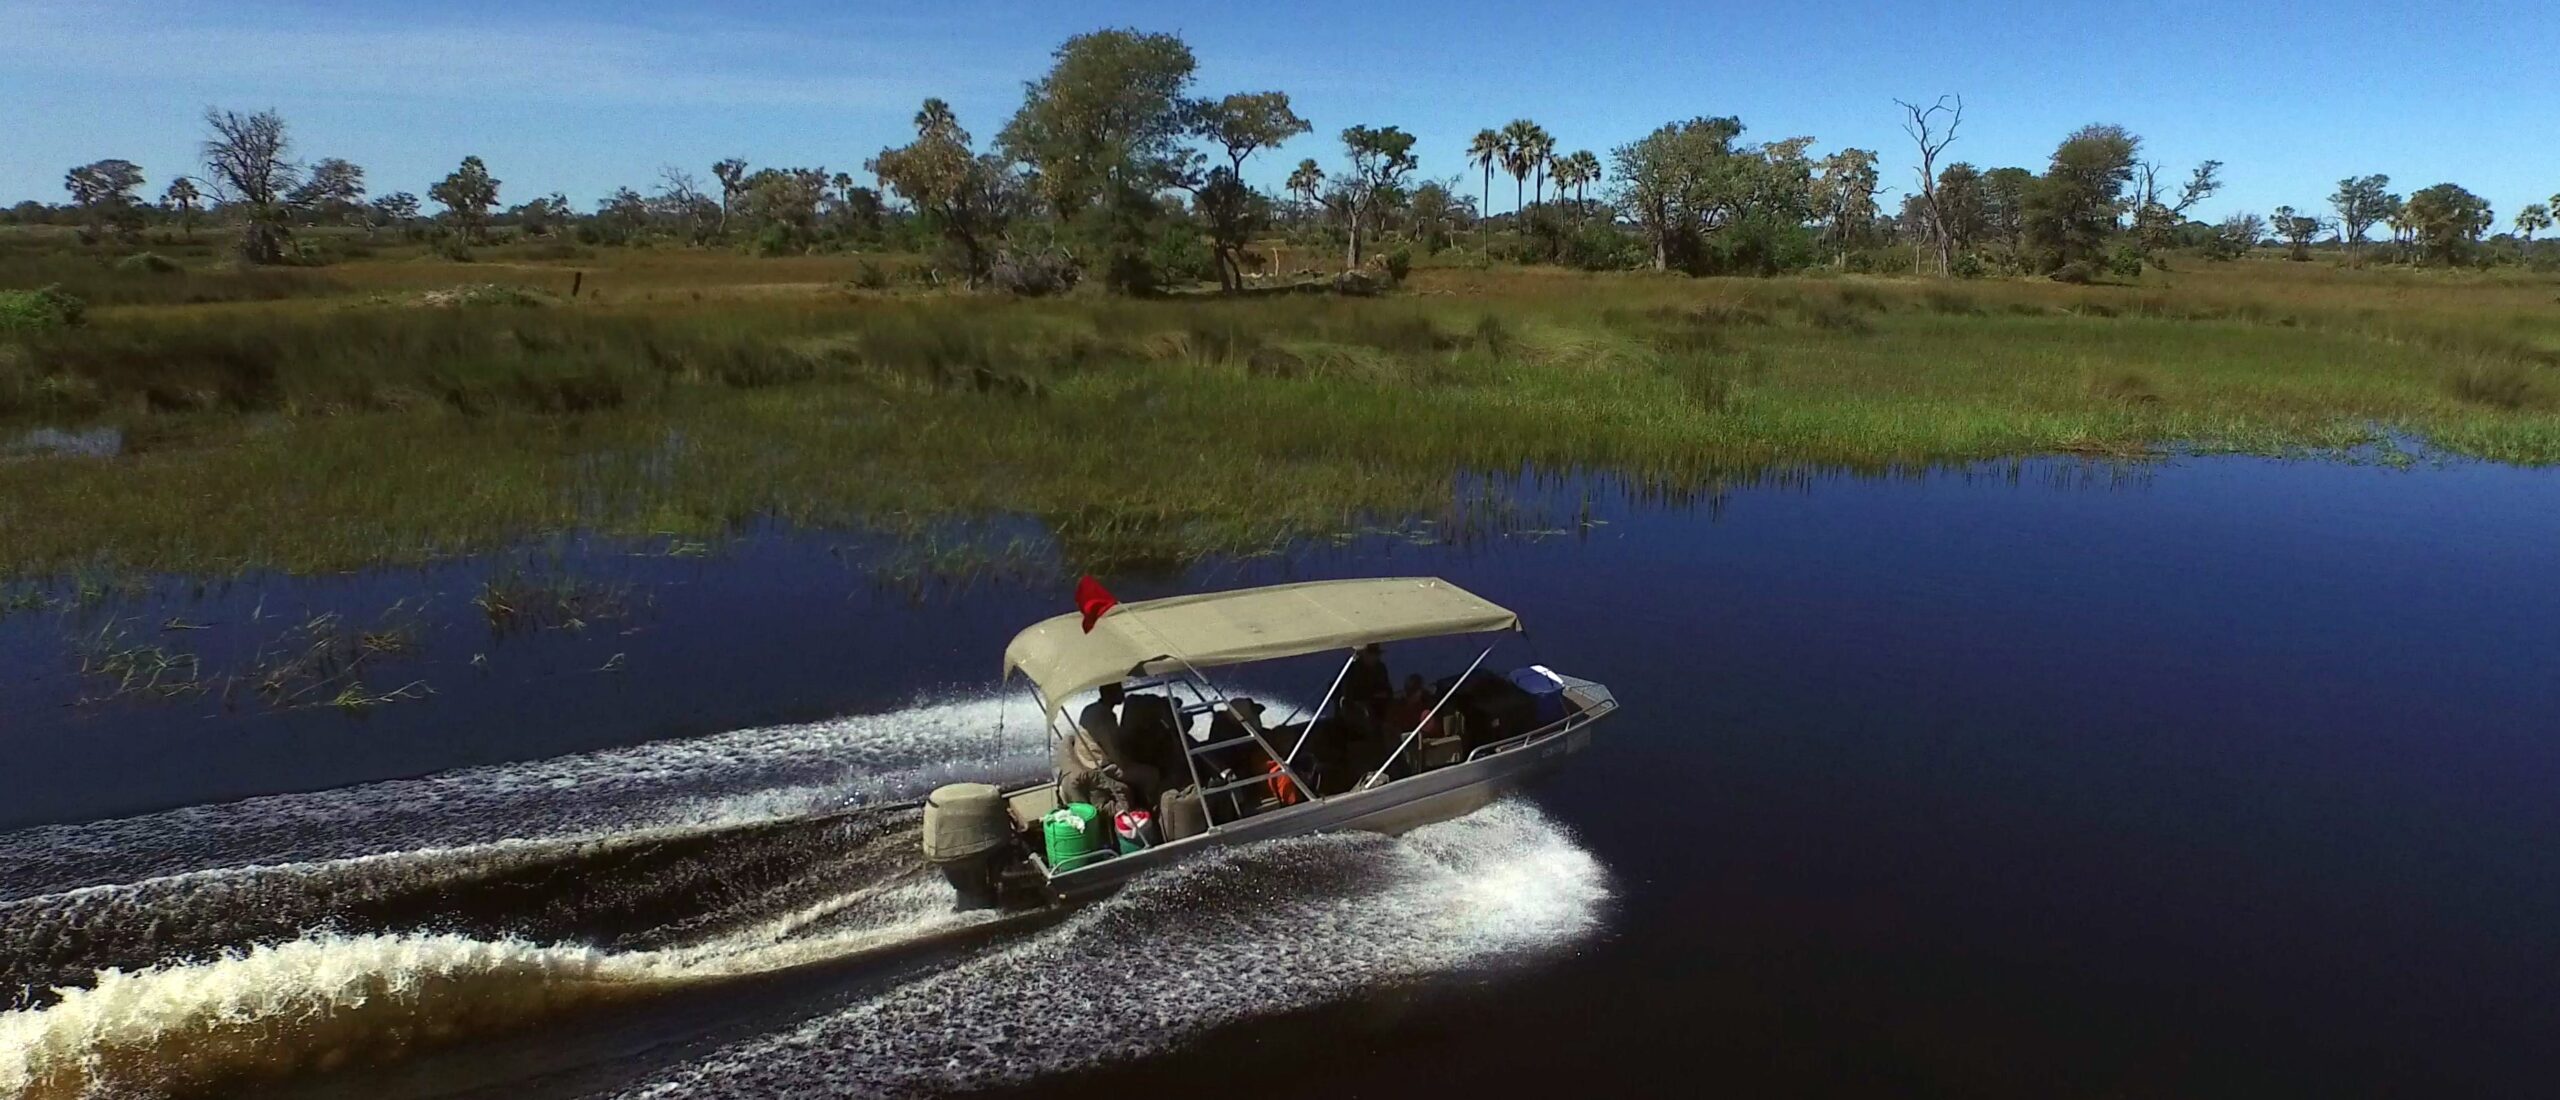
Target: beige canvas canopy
(1151,637)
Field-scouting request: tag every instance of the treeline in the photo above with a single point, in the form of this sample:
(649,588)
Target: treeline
(1113,171)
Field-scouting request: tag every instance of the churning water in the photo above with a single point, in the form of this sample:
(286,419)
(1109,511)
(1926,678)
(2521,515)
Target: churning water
(285,936)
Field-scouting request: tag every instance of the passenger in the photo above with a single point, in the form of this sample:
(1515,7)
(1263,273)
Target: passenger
(1411,709)
(1096,768)
(1367,690)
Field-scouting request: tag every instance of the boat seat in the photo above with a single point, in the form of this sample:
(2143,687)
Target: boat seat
(1031,804)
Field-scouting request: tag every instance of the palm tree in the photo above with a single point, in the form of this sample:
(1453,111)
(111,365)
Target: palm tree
(1305,181)
(2532,218)
(1562,171)
(1541,153)
(182,197)
(1586,171)
(1519,143)
(1484,152)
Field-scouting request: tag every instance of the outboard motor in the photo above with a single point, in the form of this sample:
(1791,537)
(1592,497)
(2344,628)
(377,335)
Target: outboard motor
(965,835)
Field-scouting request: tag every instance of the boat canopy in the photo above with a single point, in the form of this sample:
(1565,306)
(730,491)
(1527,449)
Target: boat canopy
(1153,637)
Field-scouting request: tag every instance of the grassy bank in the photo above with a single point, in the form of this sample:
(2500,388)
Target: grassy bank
(350,424)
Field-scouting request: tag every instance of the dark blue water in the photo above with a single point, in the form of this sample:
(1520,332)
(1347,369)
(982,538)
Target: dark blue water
(2217,777)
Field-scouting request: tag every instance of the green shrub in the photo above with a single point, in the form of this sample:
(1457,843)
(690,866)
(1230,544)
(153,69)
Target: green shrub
(1398,262)
(452,247)
(1969,265)
(40,309)
(870,275)
(148,263)
(2125,262)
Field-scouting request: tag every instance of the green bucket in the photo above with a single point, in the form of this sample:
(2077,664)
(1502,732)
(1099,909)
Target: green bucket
(1074,835)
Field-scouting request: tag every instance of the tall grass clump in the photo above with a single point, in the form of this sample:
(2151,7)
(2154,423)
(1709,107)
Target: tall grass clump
(2500,385)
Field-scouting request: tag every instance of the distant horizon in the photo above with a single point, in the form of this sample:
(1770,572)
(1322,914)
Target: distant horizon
(586,99)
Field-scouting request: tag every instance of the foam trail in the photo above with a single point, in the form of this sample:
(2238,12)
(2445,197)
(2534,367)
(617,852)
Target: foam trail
(724,779)
(1233,935)
(703,864)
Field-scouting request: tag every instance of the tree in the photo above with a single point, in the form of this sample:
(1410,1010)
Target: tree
(104,193)
(781,206)
(1586,171)
(1306,180)
(2296,229)
(1246,123)
(2072,208)
(732,174)
(1109,113)
(1963,207)
(1239,125)
(1520,140)
(1540,153)
(2446,222)
(543,216)
(965,197)
(623,215)
(397,209)
(1430,212)
(681,201)
(2534,218)
(2155,219)
(2360,201)
(1489,148)
(1844,199)
(248,160)
(2395,216)
(467,195)
(1380,160)
(1924,126)
(1668,183)
(333,191)
(2004,209)
(1100,136)
(183,198)
(2237,235)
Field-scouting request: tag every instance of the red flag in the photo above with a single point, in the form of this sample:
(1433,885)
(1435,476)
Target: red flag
(1094,600)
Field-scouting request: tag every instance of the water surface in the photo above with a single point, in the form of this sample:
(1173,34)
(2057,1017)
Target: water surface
(2217,776)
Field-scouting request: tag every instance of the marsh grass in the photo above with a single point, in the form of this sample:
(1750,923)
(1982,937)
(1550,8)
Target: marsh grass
(518,602)
(330,432)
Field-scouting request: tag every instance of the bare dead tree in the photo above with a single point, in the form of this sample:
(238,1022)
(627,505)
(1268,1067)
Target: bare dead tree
(248,161)
(1924,126)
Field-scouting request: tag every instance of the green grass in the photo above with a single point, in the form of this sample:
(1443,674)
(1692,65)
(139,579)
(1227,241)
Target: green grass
(328,432)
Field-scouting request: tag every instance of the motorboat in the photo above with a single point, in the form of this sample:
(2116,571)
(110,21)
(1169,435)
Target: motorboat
(1180,768)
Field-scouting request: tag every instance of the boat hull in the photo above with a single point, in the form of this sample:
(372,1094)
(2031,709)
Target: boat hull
(1409,803)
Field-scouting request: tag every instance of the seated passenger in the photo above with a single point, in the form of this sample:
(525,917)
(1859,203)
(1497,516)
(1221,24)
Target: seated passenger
(1095,763)
(1410,709)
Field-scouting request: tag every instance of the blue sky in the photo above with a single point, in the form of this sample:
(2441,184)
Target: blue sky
(584,97)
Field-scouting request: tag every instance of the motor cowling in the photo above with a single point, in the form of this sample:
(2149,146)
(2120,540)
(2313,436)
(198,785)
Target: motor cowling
(966,833)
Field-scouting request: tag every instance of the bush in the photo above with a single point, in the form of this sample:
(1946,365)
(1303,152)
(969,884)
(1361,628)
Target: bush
(451,247)
(1757,245)
(1178,253)
(776,240)
(148,263)
(1031,276)
(870,275)
(40,309)
(1398,263)
(2077,273)
(2125,262)
(1969,265)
